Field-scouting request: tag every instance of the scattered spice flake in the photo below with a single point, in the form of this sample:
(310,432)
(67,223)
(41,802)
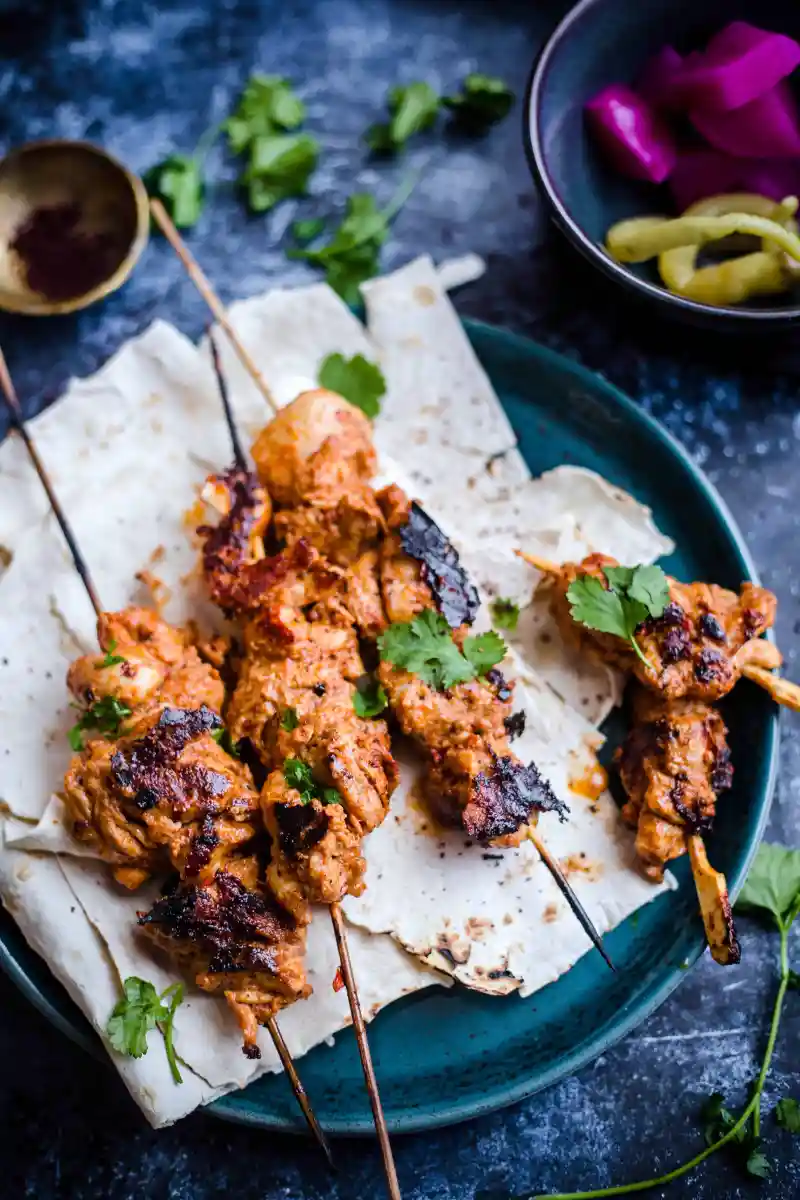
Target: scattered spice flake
(338,980)
(591,782)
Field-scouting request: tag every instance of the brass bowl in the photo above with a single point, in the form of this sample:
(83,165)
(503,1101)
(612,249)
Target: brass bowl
(107,198)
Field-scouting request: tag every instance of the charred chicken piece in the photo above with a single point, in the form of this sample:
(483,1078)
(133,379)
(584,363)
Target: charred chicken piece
(697,648)
(144,662)
(166,795)
(231,936)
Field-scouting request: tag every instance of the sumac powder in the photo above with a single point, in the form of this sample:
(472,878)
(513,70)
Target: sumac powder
(62,261)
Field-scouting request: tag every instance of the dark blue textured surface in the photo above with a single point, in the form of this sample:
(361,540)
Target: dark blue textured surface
(146,79)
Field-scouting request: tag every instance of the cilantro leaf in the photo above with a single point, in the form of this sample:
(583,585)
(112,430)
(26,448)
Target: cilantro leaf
(138,1012)
(369,698)
(505,613)
(650,587)
(266,105)
(111,659)
(425,647)
(177,182)
(223,738)
(280,166)
(105,715)
(717,1119)
(793,981)
(289,719)
(308,230)
(412,109)
(633,595)
(299,776)
(484,651)
(758,1164)
(787,1114)
(597,607)
(357,379)
(482,102)
(773,885)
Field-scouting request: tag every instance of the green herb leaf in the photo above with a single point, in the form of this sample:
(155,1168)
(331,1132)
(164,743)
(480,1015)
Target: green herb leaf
(167,1026)
(280,166)
(482,102)
(717,1119)
(290,719)
(105,716)
(633,595)
(139,1011)
(369,698)
(787,1114)
(505,614)
(308,230)
(758,1164)
(773,885)
(111,659)
(357,379)
(793,981)
(178,183)
(484,651)
(425,647)
(223,738)
(330,796)
(412,108)
(267,105)
(299,776)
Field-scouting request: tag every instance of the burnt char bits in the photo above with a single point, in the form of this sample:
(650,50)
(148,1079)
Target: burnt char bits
(515,724)
(226,544)
(505,799)
(454,592)
(148,772)
(300,826)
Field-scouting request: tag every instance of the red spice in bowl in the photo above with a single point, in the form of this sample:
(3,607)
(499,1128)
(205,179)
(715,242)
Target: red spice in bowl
(61,260)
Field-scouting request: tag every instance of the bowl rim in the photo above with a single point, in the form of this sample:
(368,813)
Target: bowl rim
(591,250)
(42,307)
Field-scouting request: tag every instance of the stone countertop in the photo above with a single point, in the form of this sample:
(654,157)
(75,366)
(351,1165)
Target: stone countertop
(146,79)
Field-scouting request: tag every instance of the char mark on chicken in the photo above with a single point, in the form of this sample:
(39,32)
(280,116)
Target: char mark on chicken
(454,593)
(506,798)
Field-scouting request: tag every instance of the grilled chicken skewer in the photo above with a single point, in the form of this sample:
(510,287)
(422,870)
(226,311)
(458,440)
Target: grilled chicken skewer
(330,771)
(316,459)
(221,925)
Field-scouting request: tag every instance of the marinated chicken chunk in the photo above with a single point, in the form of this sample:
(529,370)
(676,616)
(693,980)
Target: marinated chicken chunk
(144,662)
(697,648)
(231,936)
(674,764)
(165,796)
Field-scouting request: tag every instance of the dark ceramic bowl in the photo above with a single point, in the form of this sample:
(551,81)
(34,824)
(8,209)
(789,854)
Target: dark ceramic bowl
(607,41)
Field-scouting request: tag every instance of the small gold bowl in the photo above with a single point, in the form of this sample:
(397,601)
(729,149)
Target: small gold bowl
(91,194)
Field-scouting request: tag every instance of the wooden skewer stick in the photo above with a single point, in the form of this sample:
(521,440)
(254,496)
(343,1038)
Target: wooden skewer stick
(337,918)
(15,411)
(563,885)
(203,285)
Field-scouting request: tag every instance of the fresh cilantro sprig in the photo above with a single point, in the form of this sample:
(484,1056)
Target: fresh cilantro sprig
(223,738)
(105,715)
(352,254)
(505,614)
(411,109)
(357,379)
(280,165)
(633,594)
(289,719)
(772,893)
(177,181)
(110,659)
(369,698)
(425,647)
(141,1010)
(299,776)
(481,103)
(266,106)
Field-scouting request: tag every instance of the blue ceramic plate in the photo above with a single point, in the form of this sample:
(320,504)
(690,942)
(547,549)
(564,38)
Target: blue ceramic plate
(443,1057)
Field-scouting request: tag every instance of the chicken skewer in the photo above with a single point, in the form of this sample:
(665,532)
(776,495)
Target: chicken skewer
(704,641)
(172,675)
(292,669)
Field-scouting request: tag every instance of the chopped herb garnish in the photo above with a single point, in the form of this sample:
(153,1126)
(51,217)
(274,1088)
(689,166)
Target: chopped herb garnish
(141,1010)
(105,715)
(280,165)
(425,647)
(111,659)
(290,719)
(482,102)
(633,595)
(787,1114)
(412,109)
(505,614)
(177,182)
(299,776)
(267,105)
(223,738)
(357,379)
(306,231)
(369,698)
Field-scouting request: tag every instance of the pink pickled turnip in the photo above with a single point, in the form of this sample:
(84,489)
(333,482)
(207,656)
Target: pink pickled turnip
(700,173)
(633,136)
(768,127)
(740,63)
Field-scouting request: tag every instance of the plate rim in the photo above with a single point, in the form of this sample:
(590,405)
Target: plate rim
(615,1029)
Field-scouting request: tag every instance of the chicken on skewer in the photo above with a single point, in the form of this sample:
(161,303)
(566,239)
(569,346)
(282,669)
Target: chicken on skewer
(226,927)
(316,459)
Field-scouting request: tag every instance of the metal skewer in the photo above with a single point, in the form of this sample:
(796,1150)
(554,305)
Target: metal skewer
(18,423)
(337,918)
